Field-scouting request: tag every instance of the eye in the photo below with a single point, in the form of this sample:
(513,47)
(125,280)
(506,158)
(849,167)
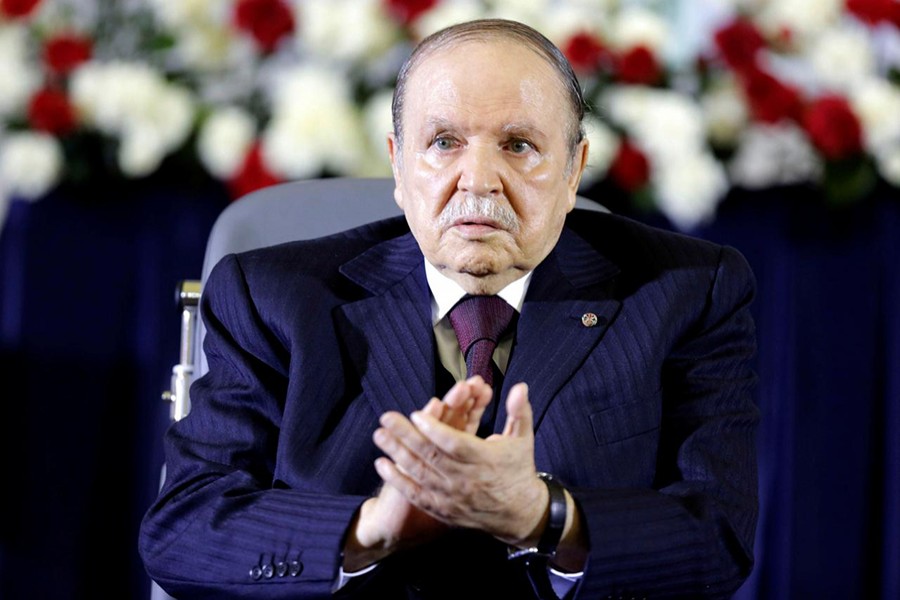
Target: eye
(519,146)
(444,143)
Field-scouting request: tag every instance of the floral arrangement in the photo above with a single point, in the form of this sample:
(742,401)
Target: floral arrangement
(688,99)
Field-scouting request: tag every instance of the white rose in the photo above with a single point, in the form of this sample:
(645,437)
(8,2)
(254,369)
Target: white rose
(533,7)
(173,114)
(304,102)
(184,14)
(445,14)
(724,113)
(627,105)
(842,57)
(603,146)
(287,150)
(316,131)
(888,162)
(533,13)
(30,164)
(877,104)
(210,48)
(689,188)
(141,151)
(307,84)
(770,155)
(803,18)
(346,29)
(109,95)
(139,106)
(569,20)
(636,26)
(224,140)
(18,79)
(663,122)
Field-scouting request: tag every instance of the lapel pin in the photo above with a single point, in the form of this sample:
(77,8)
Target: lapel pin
(589,319)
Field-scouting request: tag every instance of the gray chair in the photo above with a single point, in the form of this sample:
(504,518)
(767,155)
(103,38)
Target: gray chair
(282,213)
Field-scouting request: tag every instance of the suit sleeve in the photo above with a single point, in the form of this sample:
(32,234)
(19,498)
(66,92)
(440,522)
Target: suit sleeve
(691,536)
(220,526)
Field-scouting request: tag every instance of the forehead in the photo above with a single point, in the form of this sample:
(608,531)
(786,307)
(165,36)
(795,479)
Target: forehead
(480,79)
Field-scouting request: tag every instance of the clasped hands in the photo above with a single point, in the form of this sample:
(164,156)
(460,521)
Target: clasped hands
(438,474)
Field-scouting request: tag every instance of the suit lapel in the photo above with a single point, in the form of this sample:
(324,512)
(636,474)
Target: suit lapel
(389,333)
(552,339)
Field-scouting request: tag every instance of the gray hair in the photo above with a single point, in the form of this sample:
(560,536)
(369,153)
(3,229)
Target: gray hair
(487,30)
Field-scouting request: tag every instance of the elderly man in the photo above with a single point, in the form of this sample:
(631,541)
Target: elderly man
(594,440)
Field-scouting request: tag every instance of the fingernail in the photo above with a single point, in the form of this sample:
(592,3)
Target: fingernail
(417,419)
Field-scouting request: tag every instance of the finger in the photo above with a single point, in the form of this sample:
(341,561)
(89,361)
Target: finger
(457,446)
(481,395)
(419,496)
(457,403)
(519,419)
(404,459)
(435,408)
(481,392)
(393,477)
(458,395)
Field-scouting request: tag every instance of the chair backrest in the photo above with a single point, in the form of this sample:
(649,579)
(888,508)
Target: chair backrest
(301,210)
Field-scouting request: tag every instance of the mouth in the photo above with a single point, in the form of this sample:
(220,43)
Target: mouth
(475,226)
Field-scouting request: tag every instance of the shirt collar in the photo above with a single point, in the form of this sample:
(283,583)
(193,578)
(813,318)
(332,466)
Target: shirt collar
(445,292)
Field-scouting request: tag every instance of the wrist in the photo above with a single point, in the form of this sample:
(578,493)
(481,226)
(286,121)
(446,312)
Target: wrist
(363,545)
(546,537)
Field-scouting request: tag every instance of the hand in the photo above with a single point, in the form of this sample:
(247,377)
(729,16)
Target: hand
(464,481)
(389,522)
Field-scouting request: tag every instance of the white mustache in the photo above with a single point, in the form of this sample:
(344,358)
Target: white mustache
(472,206)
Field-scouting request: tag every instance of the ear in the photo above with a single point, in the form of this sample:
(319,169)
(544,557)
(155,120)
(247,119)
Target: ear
(394,153)
(579,162)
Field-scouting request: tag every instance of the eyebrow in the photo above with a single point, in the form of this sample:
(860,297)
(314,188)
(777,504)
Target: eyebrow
(522,130)
(510,129)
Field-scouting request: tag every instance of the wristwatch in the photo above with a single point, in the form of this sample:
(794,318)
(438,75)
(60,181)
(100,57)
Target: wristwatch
(546,547)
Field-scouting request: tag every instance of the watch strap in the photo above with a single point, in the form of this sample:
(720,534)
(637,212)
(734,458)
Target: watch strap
(556,523)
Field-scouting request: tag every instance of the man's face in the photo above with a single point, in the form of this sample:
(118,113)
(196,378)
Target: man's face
(483,175)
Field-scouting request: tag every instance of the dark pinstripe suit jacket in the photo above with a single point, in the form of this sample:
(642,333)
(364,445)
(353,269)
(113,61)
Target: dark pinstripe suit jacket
(647,417)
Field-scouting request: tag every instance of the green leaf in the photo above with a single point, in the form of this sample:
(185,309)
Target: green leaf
(849,181)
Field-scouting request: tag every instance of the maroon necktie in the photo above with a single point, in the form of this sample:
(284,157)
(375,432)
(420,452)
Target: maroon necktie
(479,321)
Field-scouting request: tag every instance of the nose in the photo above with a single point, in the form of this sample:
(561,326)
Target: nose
(480,171)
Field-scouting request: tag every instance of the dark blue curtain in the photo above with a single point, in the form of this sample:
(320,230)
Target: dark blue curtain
(89,333)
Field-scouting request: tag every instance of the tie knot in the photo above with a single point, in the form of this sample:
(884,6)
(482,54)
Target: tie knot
(477,318)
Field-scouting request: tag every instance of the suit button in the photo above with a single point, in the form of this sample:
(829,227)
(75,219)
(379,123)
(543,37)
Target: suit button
(281,568)
(268,571)
(296,568)
(255,572)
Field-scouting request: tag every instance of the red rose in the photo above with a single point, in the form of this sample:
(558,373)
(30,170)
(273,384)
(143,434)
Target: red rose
(18,8)
(585,52)
(267,21)
(833,127)
(638,66)
(630,169)
(770,100)
(64,52)
(407,11)
(739,43)
(253,175)
(50,110)
(875,11)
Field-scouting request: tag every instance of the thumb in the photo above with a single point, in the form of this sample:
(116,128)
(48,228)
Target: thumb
(519,419)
